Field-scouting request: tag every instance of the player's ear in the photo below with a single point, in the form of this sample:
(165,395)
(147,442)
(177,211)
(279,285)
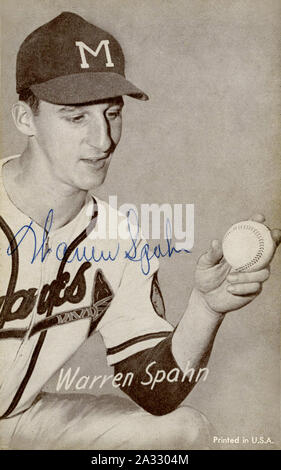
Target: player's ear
(23,118)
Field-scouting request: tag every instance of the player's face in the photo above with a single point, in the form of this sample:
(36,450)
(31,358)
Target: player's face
(77,142)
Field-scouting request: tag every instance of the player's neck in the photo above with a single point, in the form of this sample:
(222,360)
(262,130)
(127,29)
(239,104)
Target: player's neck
(33,191)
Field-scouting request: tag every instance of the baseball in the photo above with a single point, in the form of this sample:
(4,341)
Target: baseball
(248,246)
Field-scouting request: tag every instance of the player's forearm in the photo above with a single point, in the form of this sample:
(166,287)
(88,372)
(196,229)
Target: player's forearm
(158,384)
(162,375)
(194,336)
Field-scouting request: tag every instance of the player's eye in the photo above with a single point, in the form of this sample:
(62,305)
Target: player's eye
(77,119)
(113,114)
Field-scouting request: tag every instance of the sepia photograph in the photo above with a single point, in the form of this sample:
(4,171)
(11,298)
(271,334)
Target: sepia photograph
(140,216)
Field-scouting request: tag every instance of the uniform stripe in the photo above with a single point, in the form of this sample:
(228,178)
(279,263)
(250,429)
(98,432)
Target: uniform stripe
(42,336)
(27,376)
(15,267)
(13,333)
(137,339)
(134,349)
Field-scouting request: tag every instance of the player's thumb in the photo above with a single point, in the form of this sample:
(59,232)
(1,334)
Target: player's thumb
(212,256)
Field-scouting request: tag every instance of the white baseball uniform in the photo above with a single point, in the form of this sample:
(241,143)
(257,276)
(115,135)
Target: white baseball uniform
(58,286)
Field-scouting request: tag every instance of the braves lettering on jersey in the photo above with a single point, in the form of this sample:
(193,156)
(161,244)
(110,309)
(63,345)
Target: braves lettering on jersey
(50,304)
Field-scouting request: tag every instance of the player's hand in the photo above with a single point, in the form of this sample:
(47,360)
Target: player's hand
(223,288)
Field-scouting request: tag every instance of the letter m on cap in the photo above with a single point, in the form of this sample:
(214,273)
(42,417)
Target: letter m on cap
(83,47)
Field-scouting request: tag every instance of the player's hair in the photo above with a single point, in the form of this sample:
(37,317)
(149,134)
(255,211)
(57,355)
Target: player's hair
(33,102)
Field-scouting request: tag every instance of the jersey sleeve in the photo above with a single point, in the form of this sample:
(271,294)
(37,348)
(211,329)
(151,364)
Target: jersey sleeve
(150,387)
(135,320)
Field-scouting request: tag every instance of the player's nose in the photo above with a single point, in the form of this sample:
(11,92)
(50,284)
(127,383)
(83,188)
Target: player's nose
(98,133)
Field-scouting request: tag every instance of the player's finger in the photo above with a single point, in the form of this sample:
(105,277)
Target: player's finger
(245,289)
(240,278)
(276,235)
(213,255)
(258,218)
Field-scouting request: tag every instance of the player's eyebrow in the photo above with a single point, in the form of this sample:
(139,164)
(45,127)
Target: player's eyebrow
(67,109)
(80,108)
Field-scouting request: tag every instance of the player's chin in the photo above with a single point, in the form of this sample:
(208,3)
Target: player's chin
(90,176)
(93,179)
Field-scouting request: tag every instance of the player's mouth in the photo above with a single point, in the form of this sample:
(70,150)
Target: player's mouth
(97,162)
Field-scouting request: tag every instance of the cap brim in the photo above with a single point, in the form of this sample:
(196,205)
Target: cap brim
(86,87)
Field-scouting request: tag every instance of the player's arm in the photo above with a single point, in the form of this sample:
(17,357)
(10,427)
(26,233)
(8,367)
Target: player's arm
(216,292)
(164,375)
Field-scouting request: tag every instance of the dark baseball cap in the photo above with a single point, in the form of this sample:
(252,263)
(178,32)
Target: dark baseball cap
(70,61)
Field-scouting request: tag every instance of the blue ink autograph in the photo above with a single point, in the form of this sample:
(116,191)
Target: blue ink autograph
(144,257)
(25,229)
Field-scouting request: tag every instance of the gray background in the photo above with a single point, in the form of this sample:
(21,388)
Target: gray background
(210,136)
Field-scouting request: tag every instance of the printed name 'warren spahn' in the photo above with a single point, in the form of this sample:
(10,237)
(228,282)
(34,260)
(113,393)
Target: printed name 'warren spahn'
(72,380)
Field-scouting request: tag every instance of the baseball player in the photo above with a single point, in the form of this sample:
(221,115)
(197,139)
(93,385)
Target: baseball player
(71,83)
